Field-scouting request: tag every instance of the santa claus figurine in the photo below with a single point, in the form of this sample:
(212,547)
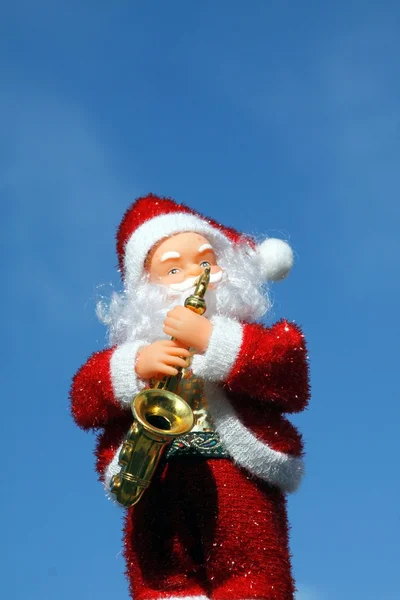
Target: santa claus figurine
(213,523)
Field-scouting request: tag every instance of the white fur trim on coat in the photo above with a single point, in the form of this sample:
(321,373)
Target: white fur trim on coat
(257,457)
(124,380)
(112,469)
(223,349)
(247,450)
(158,228)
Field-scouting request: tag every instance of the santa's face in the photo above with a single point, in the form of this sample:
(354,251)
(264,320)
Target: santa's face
(177,261)
(170,273)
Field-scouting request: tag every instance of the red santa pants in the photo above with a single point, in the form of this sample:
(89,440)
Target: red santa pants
(205,529)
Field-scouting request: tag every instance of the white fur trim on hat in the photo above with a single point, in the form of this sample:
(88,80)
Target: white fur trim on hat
(158,228)
(276,258)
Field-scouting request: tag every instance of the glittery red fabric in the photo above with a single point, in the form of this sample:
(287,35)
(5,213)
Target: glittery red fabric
(207,528)
(108,442)
(92,398)
(272,365)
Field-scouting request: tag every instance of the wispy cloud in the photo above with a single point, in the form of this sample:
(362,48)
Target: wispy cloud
(59,185)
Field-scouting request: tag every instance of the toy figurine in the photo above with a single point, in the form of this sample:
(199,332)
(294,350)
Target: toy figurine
(212,522)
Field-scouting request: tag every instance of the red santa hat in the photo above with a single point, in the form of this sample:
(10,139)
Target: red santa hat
(151,219)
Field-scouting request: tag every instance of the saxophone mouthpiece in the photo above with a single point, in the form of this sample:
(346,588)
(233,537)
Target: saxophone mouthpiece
(196,301)
(202,283)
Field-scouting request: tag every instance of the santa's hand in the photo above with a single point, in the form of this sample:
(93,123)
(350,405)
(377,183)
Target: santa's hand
(188,328)
(161,358)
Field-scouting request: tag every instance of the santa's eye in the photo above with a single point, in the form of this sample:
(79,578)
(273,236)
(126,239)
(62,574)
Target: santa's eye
(173,271)
(205,264)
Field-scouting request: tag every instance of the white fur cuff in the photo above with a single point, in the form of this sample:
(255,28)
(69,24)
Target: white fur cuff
(124,380)
(223,349)
(112,469)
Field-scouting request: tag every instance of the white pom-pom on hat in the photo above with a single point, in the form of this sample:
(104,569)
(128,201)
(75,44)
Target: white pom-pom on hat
(276,258)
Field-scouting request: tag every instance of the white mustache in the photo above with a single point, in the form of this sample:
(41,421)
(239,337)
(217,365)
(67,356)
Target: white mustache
(189,283)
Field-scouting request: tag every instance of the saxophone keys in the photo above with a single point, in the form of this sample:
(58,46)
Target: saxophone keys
(115,484)
(187,373)
(126,453)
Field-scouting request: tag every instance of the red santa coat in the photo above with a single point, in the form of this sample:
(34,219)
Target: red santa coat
(207,510)
(253,375)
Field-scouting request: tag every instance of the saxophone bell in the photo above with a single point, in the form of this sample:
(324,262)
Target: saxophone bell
(160,416)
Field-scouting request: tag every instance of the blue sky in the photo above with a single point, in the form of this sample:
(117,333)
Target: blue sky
(278,118)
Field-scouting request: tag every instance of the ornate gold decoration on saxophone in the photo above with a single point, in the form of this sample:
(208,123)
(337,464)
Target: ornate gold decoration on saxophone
(160,416)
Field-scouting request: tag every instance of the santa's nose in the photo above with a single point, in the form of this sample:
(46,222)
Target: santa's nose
(193,270)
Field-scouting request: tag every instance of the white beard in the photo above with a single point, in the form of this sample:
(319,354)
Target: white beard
(139,313)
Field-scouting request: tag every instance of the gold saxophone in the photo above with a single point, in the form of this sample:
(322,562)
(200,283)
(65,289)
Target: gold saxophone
(160,415)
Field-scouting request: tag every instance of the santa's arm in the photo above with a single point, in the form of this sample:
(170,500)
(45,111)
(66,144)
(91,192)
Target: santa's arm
(104,386)
(268,363)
